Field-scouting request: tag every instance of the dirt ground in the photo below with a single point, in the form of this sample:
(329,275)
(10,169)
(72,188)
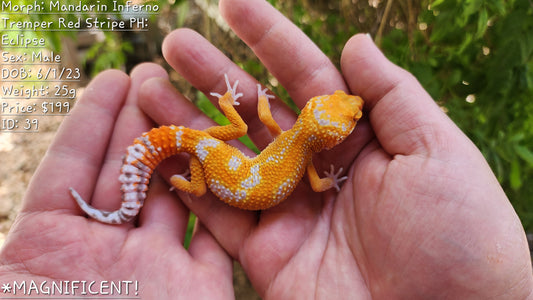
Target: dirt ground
(20,154)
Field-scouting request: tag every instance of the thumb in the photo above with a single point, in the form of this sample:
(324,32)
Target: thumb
(403,116)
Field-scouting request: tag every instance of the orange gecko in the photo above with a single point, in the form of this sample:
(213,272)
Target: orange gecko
(251,183)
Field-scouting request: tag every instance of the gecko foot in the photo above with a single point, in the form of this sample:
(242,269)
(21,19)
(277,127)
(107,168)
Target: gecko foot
(185,176)
(335,177)
(263,92)
(231,89)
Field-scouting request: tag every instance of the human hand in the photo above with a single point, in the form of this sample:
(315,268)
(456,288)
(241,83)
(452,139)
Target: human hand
(421,214)
(51,239)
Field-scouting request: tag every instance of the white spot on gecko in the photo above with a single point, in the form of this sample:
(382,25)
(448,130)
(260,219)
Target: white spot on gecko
(274,158)
(135,152)
(225,193)
(254,178)
(148,145)
(201,150)
(284,189)
(179,133)
(234,163)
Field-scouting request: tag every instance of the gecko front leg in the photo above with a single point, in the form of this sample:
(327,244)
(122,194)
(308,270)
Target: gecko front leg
(264,113)
(332,179)
(237,127)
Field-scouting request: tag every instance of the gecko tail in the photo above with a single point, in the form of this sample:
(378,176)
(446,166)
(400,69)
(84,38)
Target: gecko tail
(126,213)
(141,158)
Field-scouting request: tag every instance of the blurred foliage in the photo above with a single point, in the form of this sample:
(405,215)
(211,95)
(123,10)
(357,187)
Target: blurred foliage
(473,56)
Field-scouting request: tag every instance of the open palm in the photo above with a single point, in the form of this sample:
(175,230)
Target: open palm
(51,243)
(421,214)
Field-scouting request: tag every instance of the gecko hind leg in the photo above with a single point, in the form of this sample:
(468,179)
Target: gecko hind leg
(197,184)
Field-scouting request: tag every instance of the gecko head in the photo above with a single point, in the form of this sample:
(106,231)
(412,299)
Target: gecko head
(332,117)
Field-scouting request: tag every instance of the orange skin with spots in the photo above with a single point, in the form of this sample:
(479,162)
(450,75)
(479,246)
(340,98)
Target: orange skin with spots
(248,183)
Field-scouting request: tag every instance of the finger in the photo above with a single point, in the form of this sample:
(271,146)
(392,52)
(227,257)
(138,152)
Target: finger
(403,116)
(207,252)
(163,212)
(131,123)
(205,249)
(228,224)
(75,156)
(298,64)
(204,66)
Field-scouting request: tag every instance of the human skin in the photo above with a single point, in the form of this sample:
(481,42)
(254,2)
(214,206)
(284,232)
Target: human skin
(420,216)
(421,213)
(50,240)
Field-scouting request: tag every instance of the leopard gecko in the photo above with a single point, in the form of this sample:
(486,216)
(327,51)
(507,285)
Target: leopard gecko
(252,183)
